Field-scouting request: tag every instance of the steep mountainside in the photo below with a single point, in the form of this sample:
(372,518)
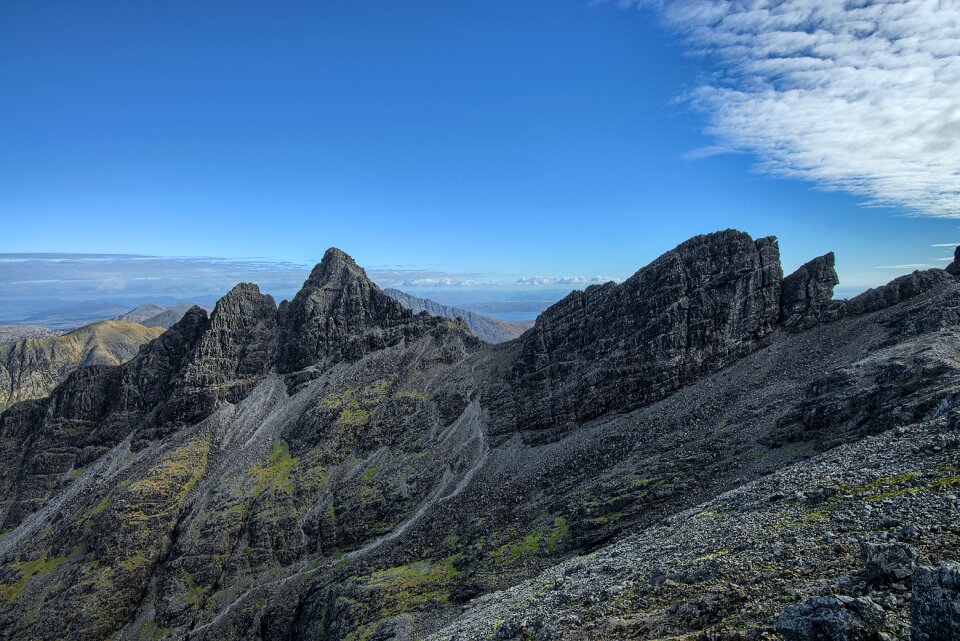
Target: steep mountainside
(32,367)
(701,451)
(491,330)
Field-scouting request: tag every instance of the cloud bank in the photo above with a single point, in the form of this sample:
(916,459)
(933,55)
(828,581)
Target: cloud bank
(79,277)
(857,96)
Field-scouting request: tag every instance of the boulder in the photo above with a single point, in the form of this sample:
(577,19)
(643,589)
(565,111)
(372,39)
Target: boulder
(887,562)
(832,618)
(935,611)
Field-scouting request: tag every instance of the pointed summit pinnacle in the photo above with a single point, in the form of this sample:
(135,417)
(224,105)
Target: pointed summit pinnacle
(338,314)
(336,267)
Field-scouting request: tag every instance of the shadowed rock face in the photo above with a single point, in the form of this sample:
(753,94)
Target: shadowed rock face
(616,346)
(88,414)
(954,267)
(807,297)
(231,357)
(340,314)
(896,291)
(340,468)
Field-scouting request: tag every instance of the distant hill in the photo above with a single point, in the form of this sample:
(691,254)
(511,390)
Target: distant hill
(491,330)
(67,315)
(141,313)
(150,315)
(13,332)
(31,367)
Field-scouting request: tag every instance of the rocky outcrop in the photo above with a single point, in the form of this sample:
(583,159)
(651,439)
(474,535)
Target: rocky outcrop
(954,267)
(831,618)
(491,330)
(897,291)
(807,294)
(710,301)
(340,314)
(887,562)
(232,356)
(935,610)
(31,368)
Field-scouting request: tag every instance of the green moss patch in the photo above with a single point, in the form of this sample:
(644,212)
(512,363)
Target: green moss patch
(406,587)
(275,473)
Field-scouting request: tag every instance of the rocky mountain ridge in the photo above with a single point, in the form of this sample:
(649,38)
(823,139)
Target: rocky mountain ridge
(337,467)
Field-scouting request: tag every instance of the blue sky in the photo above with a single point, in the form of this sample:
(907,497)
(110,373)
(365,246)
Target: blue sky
(560,138)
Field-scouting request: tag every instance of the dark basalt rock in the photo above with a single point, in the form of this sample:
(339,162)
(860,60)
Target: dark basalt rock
(897,291)
(708,302)
(231,357)
(89,413)
(935,611)
(340,314)
(831,618)
(807,297)
(954,267)
(887,562)
(386,483)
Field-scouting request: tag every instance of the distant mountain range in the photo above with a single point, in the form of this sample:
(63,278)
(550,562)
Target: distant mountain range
(491,330)
(151,315)
(67,315)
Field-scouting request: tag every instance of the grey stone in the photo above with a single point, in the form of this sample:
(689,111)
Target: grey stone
(831,618)
(935,610)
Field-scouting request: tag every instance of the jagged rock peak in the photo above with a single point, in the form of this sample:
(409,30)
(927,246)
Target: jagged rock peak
(243,299)
(954,267)
(336,267)
(338,314)
(807,295)
(696,308)
(233,354)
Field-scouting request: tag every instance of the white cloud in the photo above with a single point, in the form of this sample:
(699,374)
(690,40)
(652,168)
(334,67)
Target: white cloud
(856,96)
(565,281)
(708,152)
(907,266)
(945,245)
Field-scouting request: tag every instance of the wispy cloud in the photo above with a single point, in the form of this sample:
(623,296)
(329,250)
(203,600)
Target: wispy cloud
(906,266)
(564,281)
(856,96)
(945,245)
(709,151)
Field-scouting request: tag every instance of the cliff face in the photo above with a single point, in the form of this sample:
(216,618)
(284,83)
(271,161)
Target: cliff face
(692,311)
(338,467)
(32,367)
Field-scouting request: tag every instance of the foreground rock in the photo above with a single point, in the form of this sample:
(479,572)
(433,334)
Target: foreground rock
(831,618)
(935,611)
